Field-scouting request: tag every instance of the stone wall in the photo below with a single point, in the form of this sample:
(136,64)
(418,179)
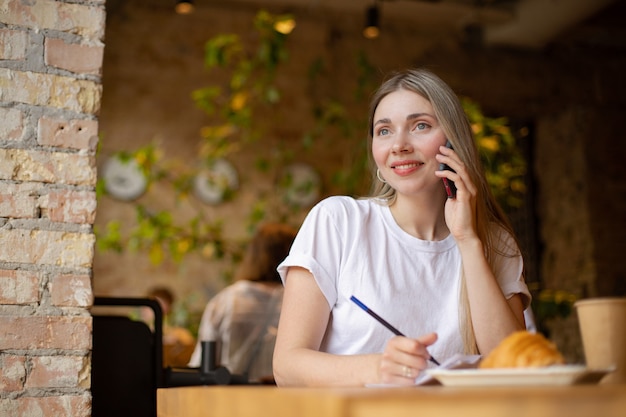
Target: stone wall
(50,89)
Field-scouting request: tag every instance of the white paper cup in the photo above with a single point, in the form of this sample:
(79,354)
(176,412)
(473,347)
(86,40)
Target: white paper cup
(603,330)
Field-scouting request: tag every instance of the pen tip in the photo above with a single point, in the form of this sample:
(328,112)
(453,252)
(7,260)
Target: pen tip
(357,302)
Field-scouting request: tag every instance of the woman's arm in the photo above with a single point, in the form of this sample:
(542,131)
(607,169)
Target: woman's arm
(493,316)
(303,321)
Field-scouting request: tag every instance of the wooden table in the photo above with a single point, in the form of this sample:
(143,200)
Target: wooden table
(425,401)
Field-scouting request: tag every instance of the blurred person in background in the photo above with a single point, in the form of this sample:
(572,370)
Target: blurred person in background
(178,342)
(243,317)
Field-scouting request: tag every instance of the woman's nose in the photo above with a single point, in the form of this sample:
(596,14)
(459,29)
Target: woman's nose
(401,145)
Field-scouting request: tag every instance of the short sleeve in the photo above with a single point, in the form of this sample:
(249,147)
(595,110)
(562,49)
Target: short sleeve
(509,267)
(318,248)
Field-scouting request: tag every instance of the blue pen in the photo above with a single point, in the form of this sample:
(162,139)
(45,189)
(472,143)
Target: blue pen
(383,322)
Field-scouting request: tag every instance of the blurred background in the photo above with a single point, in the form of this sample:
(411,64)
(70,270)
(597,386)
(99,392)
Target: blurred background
(246,111)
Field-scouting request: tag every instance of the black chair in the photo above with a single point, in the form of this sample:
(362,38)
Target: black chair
(127,361)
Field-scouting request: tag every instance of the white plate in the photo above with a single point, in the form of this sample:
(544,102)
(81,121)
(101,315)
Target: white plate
(552,375)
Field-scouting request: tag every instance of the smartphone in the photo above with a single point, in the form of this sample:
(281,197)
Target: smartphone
(448,184)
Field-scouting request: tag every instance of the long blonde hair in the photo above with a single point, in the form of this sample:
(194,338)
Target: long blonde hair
(456,127)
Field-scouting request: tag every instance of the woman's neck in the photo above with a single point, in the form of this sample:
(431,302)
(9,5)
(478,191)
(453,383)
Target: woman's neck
(422,218)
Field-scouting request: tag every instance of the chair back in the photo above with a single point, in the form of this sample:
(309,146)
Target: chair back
(127,361)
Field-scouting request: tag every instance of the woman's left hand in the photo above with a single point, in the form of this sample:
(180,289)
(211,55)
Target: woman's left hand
(460,212)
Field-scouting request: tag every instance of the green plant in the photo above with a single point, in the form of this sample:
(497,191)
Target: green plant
(549,304)
(251,76)
(505,166)
(232,109)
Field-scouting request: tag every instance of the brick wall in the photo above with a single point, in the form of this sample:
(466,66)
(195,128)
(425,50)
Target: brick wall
(50,89)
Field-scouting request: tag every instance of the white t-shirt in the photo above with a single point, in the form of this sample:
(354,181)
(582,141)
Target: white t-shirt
(355,247)
(242,318)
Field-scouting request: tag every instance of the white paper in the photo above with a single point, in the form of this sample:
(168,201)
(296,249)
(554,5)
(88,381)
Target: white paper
(457,361)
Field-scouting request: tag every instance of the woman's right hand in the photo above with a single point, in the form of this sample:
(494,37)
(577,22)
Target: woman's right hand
(404,359)
(460,212)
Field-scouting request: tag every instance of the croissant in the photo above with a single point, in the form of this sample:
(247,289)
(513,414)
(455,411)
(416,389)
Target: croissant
(523,349)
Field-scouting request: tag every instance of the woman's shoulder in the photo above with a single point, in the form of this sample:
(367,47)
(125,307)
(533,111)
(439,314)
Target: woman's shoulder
(346,204)
(346,212)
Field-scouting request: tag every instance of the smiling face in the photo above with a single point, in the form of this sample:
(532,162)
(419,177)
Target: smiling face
(406,137)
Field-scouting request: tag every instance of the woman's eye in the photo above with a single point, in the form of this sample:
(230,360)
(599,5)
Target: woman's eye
(383,131)
(421,126)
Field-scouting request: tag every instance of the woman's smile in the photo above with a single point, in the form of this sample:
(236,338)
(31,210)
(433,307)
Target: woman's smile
(404,168)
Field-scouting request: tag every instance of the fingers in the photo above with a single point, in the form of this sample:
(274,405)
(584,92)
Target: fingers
(460,177)
(408,372)
(405,358)
(448,156)
(427,339)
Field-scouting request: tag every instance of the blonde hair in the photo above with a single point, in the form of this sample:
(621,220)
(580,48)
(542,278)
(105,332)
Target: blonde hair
(267,249)
(456,127)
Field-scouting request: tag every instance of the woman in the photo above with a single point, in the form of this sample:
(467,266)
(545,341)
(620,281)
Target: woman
(445,271)
(243,316)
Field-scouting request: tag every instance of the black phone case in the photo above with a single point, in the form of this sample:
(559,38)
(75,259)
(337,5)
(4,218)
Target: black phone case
(448,184)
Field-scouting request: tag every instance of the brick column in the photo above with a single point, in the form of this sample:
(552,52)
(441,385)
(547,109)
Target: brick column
(50,88)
